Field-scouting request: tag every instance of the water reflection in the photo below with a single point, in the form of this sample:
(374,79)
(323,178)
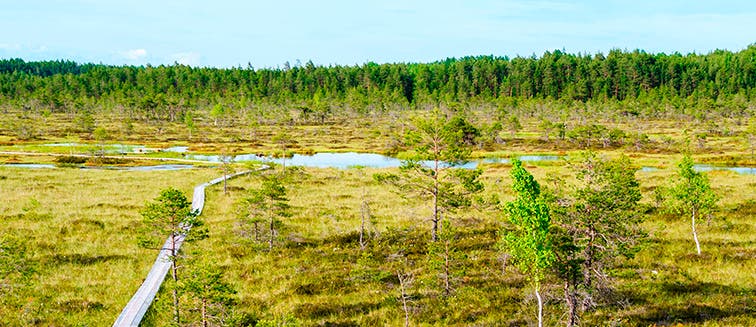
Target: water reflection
(352,159)
(29,165)
(739,170)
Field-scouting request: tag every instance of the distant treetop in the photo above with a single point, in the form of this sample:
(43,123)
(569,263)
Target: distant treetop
(556,75)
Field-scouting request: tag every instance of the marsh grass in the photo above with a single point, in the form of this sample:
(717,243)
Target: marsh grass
(81,236)
(317,275)
(376,133)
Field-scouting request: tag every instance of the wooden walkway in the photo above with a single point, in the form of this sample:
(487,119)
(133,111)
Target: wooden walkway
(134,311)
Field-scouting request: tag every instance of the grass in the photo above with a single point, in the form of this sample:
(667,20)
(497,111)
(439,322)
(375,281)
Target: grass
(81,238)
(376,133)
(79,227)
(317,275)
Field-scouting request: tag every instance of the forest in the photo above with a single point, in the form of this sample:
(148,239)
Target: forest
(619,75)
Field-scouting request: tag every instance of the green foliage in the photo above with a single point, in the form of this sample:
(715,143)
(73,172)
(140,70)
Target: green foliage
(218,112)
(596,225)
(165,91)
(692,191)
(210,295)
(691,194)
(586,136)
(100,134)
(437,145)
(607,204)
(170,214)
(529,243)
(513,125)
(268,201)
(445,261)
(439,139)
(70,160)
(85,122)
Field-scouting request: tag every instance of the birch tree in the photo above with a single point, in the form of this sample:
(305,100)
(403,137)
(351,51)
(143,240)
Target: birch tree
(529,243)
(691,195)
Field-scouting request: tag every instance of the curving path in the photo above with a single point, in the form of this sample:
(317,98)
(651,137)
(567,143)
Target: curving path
(134,311)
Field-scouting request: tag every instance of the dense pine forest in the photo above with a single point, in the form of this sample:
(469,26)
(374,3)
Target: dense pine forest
(718,79)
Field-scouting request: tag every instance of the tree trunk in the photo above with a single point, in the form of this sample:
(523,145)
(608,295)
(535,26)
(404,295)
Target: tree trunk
(571,299)
(225,178)
(204,312)
(434,232)
(270,239)
(174,275)
(695,235)
(540,306)
(362,227)
(402,285)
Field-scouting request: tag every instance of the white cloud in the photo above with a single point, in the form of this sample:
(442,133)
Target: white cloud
(186,58)
(134,54)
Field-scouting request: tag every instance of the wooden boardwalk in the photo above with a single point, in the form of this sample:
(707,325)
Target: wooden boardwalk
(134,311)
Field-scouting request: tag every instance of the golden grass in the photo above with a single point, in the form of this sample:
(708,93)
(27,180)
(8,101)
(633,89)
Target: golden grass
(82,235)
(82,238)
(316,276)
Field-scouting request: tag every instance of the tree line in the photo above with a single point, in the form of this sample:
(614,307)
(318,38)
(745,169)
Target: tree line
(618,75)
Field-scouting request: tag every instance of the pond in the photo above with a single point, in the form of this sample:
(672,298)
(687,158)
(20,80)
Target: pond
(339,160)
(739,170)
(351,159)
(29,165)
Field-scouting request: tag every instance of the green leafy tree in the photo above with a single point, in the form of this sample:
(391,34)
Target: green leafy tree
(218,112)
(211,295)
(691,195)
(431,172)
(596,225)
(250,214)
(271,201)
(191,126)
(226,167)
(85,122)
(529,242)
(171,214)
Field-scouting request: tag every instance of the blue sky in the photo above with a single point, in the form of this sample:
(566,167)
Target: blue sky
(268,33)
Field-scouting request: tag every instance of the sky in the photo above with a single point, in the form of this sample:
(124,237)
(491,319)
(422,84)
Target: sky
(266,34)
